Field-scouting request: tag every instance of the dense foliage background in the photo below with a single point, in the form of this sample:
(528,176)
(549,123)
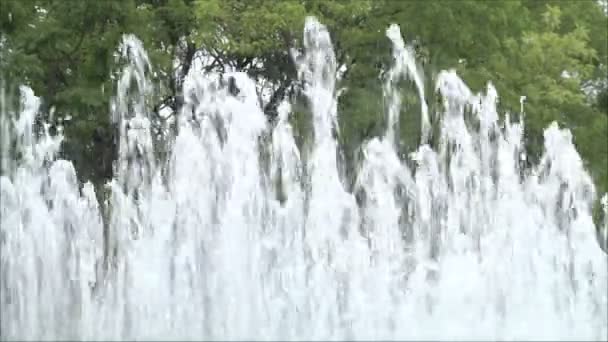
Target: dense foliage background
(553,52)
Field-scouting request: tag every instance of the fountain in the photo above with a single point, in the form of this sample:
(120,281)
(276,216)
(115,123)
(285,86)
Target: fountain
(217,243)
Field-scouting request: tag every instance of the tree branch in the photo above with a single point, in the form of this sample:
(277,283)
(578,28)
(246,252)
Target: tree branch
(270,109)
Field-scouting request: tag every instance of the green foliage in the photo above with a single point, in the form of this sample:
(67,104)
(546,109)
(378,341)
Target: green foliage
(65,51)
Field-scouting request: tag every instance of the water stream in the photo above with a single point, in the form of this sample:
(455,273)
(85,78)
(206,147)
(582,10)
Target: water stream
(217,243)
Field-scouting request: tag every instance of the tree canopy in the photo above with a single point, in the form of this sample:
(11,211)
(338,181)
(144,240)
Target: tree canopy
(553,52)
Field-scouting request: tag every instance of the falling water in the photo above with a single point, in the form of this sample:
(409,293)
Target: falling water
(218,243)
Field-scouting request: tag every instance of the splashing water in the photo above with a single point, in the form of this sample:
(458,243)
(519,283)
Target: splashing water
(214,245)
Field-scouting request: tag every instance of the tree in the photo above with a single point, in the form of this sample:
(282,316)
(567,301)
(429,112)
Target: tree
(555,53)
(65,52)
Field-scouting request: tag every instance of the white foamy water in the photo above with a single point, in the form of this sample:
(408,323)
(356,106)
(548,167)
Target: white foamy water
(217,242)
